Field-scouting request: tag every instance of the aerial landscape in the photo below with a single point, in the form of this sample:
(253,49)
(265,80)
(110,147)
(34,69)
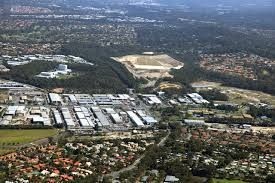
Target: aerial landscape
(137,91)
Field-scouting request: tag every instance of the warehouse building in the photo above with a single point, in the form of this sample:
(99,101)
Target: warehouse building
(55,99)
(109,110)
(57,118)
(148,120)
(84,116)
(11,110)
(38,120)
(151,99)
(103,99)
(116,118)
(197,98)
(67,117)
(72,98)
(192,122)
(135,119)
(84,99)
(100,116)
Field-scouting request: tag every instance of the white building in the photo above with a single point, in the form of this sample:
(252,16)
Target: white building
(61,69)
(135,119)
(47,75)
(55,99)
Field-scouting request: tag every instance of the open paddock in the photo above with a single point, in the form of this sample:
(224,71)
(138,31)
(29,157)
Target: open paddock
(14,138)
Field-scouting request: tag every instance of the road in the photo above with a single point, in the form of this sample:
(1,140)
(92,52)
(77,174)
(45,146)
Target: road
(132,166)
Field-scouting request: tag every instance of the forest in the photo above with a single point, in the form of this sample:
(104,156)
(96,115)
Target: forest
(105,76)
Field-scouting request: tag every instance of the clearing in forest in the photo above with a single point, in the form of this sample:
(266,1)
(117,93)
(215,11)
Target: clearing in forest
(149,66)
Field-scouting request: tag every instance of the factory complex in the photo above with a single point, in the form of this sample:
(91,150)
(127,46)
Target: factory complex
(98,112)
(79,113)
(24,105)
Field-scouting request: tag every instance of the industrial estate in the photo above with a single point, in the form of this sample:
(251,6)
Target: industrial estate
(75,112)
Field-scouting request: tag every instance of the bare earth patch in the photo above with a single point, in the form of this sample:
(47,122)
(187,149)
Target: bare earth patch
(167,85)
(149,66)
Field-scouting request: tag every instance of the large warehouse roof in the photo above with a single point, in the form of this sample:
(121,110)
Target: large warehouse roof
(54,97)
(135,118)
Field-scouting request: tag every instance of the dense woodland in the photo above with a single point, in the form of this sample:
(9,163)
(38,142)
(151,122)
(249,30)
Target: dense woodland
(105,76)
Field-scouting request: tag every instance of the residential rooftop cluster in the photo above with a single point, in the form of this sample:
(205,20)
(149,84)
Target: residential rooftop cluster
(53,164)
(216,153)
(29,26)
(240,64)
(29,10)
(32,48)
(244,140)
(260,162)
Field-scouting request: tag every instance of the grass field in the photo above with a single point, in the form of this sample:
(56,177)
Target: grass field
(227,181)
(10,139)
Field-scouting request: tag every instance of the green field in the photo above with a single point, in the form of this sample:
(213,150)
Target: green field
(238,95)
(227,181)
(10,139)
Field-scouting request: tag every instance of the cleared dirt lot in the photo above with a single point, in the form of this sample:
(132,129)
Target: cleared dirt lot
(149,66)
(167,85)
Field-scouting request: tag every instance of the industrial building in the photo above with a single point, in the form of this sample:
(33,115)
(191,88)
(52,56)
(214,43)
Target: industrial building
(101,117)
(57,118)
(116,118)
(48,75)
(11,110)
(67,117)
(102,99)
(148,120)
(55,99)
(38,120)
(121,97)
(84,116)
(109,110)
(197,98)
(72,98)
(13,85)
(83,99)
(62,69)
(135,119)
(40,116)
(151,99)
(185,100)
(192,122)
